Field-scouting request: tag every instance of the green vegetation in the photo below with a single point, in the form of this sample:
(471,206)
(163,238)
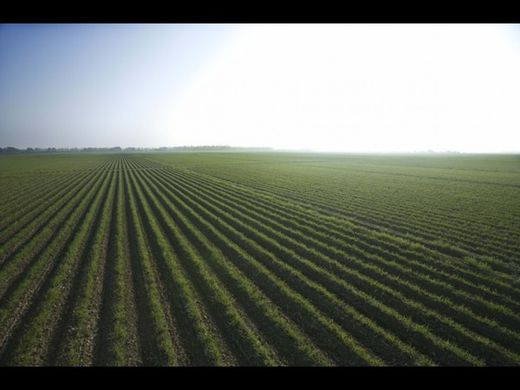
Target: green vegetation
(259,259)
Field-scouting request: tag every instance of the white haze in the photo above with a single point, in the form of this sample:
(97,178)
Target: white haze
(325,87)
(361,88)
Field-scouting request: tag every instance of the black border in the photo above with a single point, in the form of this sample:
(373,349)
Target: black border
(259,12)
(263,377)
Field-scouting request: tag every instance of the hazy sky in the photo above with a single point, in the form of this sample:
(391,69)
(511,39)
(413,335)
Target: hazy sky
(324,87)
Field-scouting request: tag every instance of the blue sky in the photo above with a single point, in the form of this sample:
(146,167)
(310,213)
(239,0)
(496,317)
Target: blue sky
(75,85)
(324,87)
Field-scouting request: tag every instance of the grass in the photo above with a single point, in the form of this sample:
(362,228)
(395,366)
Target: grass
(259,259)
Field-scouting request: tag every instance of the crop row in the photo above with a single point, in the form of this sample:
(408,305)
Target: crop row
(289,188)
(179,187)
(25,276)
(133,262)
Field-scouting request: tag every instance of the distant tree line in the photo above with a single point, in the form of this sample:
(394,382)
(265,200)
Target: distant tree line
(205,148)
(10,149)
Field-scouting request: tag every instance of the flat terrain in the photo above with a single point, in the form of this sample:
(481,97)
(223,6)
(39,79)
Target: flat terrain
(259,259)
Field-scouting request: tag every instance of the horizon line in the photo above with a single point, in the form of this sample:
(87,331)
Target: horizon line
(262,148)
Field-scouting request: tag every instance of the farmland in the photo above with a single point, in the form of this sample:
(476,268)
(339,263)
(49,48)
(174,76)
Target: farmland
(252,259)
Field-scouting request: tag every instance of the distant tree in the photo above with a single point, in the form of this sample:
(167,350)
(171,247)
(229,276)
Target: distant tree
(10,149)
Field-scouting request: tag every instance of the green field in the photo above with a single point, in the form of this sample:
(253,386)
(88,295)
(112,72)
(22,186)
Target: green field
(259,259)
